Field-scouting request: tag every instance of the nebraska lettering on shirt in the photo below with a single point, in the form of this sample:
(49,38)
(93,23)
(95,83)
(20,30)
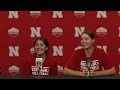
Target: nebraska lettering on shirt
(99,59)
(94,65)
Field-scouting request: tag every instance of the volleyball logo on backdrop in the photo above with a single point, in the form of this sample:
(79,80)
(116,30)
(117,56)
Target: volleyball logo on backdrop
(57,32)
(13,32)
(14,70)
(79,14)
(35,14)
(101,31)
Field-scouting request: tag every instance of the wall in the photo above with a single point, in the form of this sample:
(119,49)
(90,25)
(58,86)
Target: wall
(19,29)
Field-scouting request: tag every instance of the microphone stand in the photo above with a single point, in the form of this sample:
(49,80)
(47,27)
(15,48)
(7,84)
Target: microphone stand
(89,63)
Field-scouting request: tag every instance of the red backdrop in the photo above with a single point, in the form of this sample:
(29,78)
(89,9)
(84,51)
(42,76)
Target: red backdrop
(19,29)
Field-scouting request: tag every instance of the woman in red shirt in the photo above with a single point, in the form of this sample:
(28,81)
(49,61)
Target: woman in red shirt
(41,47)
(90,60)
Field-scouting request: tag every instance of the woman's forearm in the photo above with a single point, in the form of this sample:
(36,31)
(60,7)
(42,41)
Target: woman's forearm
(111,71)
(73,72)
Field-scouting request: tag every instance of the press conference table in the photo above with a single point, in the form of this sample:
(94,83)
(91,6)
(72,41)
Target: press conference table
(59,77)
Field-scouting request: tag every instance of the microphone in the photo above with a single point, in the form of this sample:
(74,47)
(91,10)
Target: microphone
(88,62)
(39,62)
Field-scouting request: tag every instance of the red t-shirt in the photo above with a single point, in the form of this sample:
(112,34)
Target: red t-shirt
(99,59)
(30,61)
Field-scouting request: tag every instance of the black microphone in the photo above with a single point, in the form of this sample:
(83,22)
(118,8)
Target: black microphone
(89,63)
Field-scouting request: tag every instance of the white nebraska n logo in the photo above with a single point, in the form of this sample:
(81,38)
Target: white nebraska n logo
(13,14)
(35,31)
(79,31)
(101,14)
(57,51)
(57,14)
(13,51)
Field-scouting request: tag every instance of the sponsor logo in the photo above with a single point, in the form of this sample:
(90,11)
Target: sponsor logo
(57,32)
(79,14)
(13,32)
(35,14)
(14,70)
(101,31)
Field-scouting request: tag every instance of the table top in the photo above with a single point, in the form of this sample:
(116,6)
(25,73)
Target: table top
(59,77)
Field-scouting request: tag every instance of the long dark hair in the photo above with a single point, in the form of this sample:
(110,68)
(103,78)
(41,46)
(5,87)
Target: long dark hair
(44,40)
(89,33)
